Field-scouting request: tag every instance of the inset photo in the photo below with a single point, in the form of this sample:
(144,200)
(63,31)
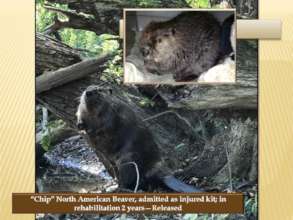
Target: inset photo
(179,46)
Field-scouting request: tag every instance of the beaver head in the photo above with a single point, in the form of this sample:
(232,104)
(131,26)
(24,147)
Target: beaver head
(158,45)
(92,102)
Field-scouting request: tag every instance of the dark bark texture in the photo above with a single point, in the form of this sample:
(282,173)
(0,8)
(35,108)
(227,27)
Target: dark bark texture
(52,54)
(49,80)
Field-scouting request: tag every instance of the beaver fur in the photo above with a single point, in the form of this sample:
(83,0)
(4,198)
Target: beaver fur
(122,138)
(184,46)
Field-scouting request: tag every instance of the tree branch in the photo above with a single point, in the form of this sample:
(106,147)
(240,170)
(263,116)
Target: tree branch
(77,21)
(68,13)
(76,71)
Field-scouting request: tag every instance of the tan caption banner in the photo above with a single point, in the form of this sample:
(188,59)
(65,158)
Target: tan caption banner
(128,203)
(259,29)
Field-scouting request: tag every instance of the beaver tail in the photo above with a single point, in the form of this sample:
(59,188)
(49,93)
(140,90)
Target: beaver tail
(177,185)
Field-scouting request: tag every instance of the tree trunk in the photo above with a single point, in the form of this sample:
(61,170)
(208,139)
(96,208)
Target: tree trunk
(52,54)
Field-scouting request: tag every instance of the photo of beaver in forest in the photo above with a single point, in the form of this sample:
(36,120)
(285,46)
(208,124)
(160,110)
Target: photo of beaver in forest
(180,46)
(115,132)
(97,134)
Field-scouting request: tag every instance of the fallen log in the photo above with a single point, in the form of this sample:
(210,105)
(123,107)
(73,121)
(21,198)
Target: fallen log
(52,54)
(64,75)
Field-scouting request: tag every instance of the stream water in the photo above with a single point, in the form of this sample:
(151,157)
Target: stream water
(74,167)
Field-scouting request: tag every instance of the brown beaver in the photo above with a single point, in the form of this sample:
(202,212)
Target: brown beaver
(114,131)
(185,46)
